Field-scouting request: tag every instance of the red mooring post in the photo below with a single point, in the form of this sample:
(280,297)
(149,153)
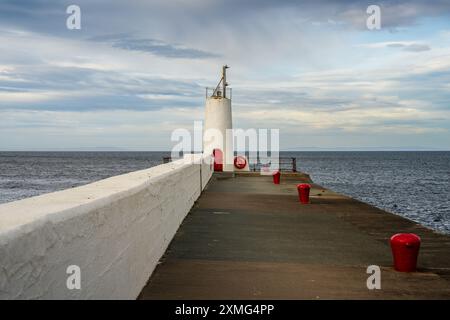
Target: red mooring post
(276,177)
(218,160)
(405,250)
(303,192)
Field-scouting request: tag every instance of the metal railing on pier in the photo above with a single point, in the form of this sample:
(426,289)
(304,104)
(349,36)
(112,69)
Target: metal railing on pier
(286,164)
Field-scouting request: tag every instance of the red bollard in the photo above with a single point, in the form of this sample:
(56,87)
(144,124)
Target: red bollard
(303,192)
(405,250)
(276,177)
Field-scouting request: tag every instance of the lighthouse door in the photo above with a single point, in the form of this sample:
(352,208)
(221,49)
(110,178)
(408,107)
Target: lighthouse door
(218,160)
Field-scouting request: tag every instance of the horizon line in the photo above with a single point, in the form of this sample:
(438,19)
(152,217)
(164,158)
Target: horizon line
(284,150)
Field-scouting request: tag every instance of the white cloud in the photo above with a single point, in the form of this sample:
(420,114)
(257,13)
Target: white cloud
(127,130)
(62,88)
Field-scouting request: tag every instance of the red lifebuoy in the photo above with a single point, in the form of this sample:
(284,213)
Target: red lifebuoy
(240,162)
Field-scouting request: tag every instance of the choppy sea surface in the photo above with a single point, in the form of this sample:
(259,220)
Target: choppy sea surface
(27,174)
(415,185)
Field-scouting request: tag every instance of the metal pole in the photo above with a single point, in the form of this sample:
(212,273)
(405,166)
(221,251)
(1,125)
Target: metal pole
(224,81)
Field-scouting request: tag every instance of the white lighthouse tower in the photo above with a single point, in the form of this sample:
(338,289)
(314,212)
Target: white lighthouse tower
(218,136)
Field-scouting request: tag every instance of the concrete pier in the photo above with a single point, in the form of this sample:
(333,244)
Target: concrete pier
(247,238)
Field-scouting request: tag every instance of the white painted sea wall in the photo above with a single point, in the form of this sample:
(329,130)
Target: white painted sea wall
(115,230)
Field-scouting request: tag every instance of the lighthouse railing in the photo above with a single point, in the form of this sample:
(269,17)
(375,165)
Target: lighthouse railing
(217,93)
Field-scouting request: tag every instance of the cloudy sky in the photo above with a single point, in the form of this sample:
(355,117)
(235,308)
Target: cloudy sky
(137,70)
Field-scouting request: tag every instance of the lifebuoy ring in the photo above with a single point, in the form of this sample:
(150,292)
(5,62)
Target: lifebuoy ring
(240,162)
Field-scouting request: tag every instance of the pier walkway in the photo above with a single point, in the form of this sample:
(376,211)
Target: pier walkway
(247,238)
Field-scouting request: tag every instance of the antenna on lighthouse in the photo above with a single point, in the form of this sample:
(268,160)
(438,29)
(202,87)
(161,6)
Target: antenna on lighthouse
(224,80)
(218,91)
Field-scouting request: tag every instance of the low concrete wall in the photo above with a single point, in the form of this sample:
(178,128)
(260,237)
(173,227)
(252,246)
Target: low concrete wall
(115,230)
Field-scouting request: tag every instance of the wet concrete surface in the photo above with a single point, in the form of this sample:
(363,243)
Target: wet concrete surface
(247,238)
